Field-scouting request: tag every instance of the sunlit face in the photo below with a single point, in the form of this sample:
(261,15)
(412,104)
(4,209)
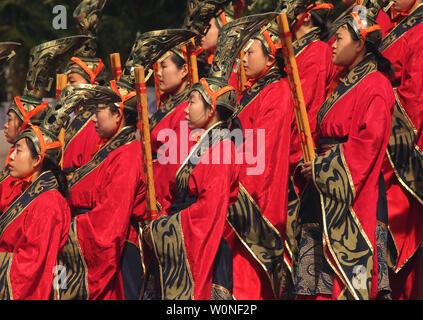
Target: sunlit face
(197,114)
(405,5)
(22,164)
(76,78)
(209,40)
(345,49)
(106,121)
(12,127)
(171,78)
(256,61)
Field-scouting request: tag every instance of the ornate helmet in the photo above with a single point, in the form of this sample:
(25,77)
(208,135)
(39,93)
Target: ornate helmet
(199,13)
(43,61)
(45,135)
(147,49)
(362,21)
(7,51)
(269,37)
(88,15)
(319,10)
(214,89)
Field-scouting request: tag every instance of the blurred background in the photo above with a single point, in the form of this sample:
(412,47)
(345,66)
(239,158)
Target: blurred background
(29,22)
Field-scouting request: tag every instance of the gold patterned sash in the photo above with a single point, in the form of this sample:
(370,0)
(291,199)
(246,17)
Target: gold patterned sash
(4,174)
(168,107)
(125,136)
(253,92)
(415,18)
(258,236)
(45,182)
(312,36)
(77,125)
(343,236)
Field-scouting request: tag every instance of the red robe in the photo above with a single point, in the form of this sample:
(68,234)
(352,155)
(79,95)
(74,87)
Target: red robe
(111,193)
(404,210)
(362,115)
(316,71)
(215,187)
(82,147)
(33,241)
(271,111)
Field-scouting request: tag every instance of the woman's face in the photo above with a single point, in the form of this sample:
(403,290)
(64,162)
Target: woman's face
(76,78)
(209,40)
(345,49)
(197,114)
(171,78)
(255,60)
(22,164)
(12,127)
(106,121)
(404,5)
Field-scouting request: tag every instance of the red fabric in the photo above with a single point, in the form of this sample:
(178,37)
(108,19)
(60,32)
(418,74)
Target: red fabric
(8,192)
(216,187)
(80,150)
(316,71)
(115,192)
(272,111)
(35,238)
(404,211)
(364,115)
(164,173)
(385,22)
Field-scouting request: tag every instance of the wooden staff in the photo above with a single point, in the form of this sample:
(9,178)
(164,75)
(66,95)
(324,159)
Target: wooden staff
(61,83)
(300,111)
(144,127)
(242,78)
(116,66)
(193,61)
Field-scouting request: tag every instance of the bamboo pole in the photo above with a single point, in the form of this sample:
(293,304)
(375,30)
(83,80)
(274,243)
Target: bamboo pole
(144,127)
(116,66)
(300,111)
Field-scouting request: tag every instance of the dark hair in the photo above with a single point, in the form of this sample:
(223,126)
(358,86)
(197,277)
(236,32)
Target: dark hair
(319,18)
(225,115)
(177,60)
(383,65)
(49,165)
(130,116)
(280,62)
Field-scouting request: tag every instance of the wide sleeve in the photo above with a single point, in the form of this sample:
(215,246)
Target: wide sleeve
(266,153)
(187,241)
(31,267)
(103,230)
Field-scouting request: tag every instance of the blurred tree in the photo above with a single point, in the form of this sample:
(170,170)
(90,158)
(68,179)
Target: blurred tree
(30,23)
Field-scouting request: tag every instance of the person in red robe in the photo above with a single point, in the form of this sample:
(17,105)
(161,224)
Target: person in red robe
(402,165)
(193,259)
(102,195)
(266,114)
(29,108)
(35,226)
(80,138)
(340,252)
(166,122)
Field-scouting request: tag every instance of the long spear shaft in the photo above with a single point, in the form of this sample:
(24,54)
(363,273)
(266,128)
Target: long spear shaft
(144,127)
(300,111)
